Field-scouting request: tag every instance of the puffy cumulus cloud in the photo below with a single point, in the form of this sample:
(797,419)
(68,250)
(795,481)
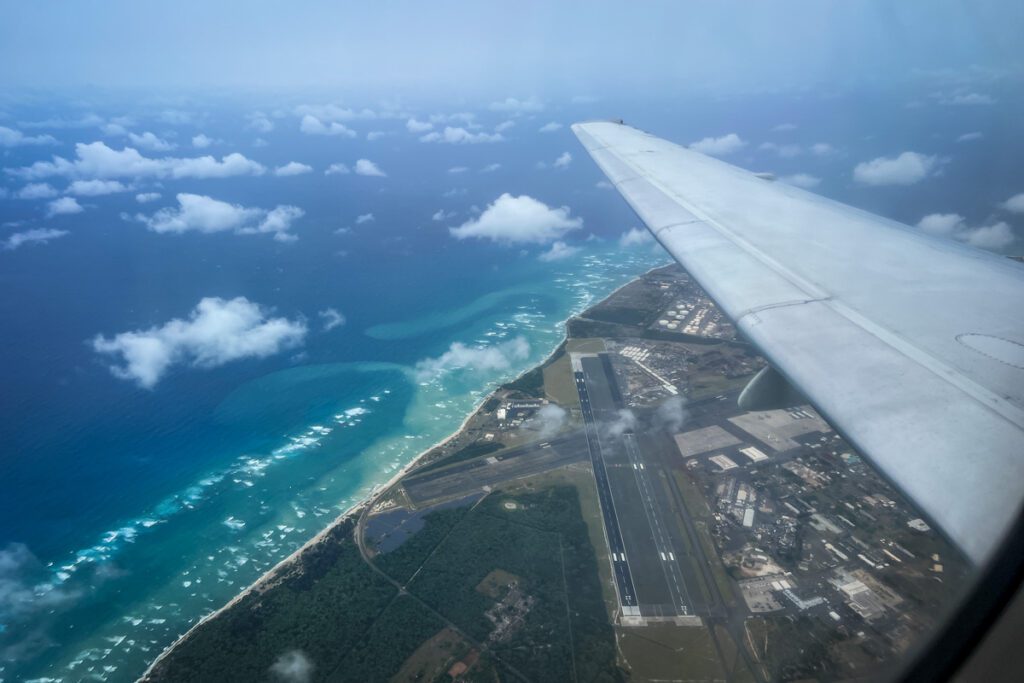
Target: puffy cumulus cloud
(490,168)
(634,237)
(150,141)
(784,151)
(147,197)
(414,126)
(503,126)
(519,220)
(550,127)
(337,169)
(259,123)
(720,146)
(996,236)
(311,125)
(332,318)
(292,667)
(202,141)
(36,191)
(10,137)
(624,421)
(207,215)
(558,251)
(804,180)
(292,168)
(563,160)
(970,137)
(96,188)
(34,236)
(442,215)
(548,421)
(493,358)
(368,168)
(64,206)
(906,169)
(517,106)
(671,415)
(334,112)
(460,136)
(216,332)
(97,160)
(1014,204)
(365,218)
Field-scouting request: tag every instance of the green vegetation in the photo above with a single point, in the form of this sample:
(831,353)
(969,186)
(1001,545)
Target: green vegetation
(322,606)
(661,652)
(402,562)
(542,540)
(530,383)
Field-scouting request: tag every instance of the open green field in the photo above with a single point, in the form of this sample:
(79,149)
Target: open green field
(665,652)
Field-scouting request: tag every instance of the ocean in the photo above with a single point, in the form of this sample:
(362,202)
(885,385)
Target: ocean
(128,513)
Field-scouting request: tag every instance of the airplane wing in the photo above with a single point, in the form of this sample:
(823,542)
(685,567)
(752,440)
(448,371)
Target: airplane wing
(912,347)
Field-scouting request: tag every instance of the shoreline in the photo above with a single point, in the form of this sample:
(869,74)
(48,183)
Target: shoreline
(375,493)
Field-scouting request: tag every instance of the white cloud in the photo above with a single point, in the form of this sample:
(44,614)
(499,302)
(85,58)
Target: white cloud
(460,136)
(202,141)
(550,127)
(364,218)
(468,118)
(490,168)
(63,207)
(563,160)
(804,180)
(968,137)
(721,146)
(334,112)
(519,220)
(671,415)
(150,141)
(259,123)
(784,151)
(503,126)
(415,126)
(36,235)
(442,215)
(207,215)
(547,421)
(1014,204)
(15,138)
(604,185)
(458,169)
(36,191)
(624,421)
(96,188)
(822,149)
(784,127)
(480,359)
(454,192)
(996,236)
(634,237)
(292,168)
(906,169)
(368,168)
(96,160)
(968,99)
(311,125)
(337,169)
(513,105)
(293,667)
(375,135)
(558,251)
(332,318)
(217,331)
(146,197)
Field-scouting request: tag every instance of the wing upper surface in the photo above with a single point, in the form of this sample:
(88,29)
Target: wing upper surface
(911,346)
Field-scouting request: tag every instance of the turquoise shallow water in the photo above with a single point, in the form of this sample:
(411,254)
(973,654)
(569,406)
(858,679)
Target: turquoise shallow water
(354,425)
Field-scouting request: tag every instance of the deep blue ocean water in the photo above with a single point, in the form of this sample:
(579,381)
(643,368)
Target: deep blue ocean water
(147,508)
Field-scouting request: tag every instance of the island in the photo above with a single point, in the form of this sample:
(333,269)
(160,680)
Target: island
(610,515)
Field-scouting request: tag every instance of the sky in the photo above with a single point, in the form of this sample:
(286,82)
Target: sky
(490,49)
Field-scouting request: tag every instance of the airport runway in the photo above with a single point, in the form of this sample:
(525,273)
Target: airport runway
(491,470)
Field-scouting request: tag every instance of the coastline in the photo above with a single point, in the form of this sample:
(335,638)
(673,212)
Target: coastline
(368,501)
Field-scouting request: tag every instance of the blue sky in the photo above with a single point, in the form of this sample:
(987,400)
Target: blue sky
(491,49)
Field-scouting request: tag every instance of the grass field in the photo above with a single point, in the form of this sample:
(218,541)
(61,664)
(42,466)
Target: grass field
(665,652)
